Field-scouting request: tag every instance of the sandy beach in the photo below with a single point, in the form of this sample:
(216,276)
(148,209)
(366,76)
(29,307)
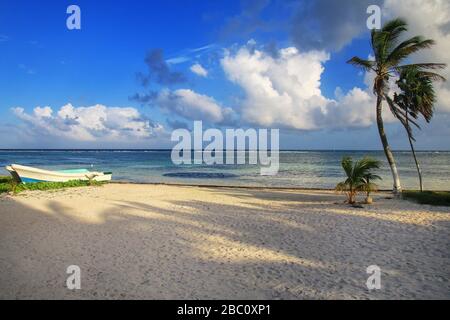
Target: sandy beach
(177,242)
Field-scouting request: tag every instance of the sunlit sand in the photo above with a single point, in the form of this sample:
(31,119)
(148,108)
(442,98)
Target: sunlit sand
(179,242)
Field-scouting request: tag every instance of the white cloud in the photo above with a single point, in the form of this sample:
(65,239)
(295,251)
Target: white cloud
(354,109)
(284,91)
(337,24)
(178,60)
(190,54)
(280,89)
(93,123)
(432,20)
(45,112)
(191,105)
(199,70)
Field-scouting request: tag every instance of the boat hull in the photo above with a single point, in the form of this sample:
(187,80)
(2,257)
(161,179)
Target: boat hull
(13,174)
(32,175)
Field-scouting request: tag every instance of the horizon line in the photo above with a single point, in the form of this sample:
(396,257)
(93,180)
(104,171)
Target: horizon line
(169,149)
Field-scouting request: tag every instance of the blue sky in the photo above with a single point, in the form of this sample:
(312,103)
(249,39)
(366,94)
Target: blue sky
(93,73)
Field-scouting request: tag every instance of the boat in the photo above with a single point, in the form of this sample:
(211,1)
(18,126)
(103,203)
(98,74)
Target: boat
(30,174)
(13,173)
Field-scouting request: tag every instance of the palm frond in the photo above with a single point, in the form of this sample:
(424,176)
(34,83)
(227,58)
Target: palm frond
(370,176)
(417,94)
(347,165)
(400,112)
(341,187)
(395,26)
(367,65)
(368,187)
(431,75)
(421,66)
(408,47)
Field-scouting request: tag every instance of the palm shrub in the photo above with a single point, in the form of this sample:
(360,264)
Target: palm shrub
(359,177)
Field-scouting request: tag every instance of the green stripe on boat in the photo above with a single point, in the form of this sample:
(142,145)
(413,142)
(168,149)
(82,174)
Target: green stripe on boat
(73,171)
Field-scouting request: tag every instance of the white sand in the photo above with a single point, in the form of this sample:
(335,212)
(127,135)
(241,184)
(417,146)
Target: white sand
(170,242)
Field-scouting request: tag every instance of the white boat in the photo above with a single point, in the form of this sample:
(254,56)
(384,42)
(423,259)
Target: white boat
(31,174)
(13,174)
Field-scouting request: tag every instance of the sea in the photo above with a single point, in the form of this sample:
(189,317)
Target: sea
(297,168)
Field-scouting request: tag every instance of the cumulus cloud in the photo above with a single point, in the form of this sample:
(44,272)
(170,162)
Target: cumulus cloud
(329,24)
(93,123)
(282,87)
(432,20)
(333,24)
(284,91)
(319,24)
(184,103)
(192,106)
(177,124)
(199,70)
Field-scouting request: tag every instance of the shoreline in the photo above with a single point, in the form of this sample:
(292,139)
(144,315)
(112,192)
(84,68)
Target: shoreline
(219,186)
(247,187)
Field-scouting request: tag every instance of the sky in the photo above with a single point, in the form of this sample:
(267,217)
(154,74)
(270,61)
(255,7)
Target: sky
(137,70)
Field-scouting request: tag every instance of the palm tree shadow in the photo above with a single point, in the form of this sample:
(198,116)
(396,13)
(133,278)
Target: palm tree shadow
(198,249)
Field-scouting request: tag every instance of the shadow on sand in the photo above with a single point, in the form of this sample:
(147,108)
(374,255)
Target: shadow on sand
(302,246)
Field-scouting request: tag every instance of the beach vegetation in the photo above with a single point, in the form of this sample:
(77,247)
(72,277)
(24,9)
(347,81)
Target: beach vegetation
(7,184)
(389,52)
(360,177)
(434,198)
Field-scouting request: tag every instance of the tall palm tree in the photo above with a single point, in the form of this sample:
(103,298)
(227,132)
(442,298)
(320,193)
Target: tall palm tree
(416,98)
(389,53)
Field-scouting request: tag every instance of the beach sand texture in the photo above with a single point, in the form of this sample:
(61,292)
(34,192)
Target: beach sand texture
(180,242)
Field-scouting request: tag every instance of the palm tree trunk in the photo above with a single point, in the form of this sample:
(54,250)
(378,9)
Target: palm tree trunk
(368,187)
(351,199)
(419,171)
(387,150)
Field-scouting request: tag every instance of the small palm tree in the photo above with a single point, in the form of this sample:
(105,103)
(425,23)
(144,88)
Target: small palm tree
(416,98)
(368,186)
(357,174)
(388,57)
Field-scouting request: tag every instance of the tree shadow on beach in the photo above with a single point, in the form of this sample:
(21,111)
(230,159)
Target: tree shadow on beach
(199,249)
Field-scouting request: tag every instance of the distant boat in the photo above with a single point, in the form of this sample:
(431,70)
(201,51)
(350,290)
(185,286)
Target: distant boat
(31,174)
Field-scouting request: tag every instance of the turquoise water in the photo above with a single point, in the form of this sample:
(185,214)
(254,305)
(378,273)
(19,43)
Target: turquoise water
(310,169)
